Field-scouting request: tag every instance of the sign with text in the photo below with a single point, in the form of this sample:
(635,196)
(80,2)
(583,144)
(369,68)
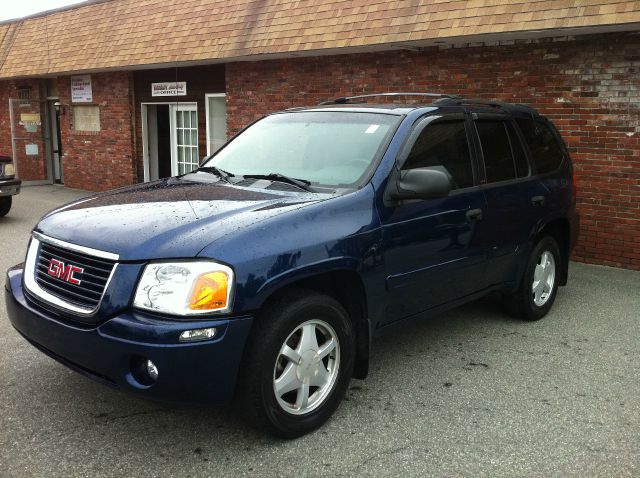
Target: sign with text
(30,118)
(170,88)
(30,122)
(81,89)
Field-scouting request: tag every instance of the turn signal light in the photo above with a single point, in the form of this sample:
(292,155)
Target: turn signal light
(210,292)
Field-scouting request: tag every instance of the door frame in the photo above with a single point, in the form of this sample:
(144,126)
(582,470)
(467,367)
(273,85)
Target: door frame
(53,137)
(145,128)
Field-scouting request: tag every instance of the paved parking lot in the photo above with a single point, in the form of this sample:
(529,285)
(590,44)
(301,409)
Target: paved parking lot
(471,393)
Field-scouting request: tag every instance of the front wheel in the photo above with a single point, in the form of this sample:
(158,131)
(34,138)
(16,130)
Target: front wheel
(539,285)
(298,364)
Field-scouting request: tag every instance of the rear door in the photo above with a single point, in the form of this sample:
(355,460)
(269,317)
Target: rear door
(514,198)
(429,246)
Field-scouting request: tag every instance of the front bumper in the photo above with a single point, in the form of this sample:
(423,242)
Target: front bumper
(194,372)
(9,187)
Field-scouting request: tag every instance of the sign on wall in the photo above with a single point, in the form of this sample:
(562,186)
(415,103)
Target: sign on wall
(169,88)
(30,121)
(81,89)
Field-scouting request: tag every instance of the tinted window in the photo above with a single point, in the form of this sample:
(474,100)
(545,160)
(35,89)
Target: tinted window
(496,150)
(546,152)
(519,157)
(443,145)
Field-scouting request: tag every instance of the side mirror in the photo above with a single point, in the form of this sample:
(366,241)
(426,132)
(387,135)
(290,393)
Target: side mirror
(422,183)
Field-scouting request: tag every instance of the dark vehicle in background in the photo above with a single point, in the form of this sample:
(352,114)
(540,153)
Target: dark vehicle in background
(9,185)
(265,274)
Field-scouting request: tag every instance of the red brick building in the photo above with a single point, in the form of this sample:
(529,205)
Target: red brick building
(110,93)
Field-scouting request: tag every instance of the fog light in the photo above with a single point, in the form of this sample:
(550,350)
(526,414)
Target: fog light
(198,334)
(152,370)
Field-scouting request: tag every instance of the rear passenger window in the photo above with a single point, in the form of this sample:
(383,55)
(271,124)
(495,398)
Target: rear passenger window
(496,150)
(545,150)
(443,145)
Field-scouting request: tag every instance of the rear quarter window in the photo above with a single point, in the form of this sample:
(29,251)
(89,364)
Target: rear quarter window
(545,150)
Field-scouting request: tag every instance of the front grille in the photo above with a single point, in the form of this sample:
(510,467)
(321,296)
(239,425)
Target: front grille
(93,278)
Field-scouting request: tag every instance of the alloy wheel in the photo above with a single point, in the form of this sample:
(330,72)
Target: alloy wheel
(306,369)
(544,277)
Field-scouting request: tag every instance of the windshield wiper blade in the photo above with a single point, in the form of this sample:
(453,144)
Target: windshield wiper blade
(221,173)
(301,183)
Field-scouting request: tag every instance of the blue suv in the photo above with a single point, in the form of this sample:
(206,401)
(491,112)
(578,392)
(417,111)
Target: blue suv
(264,274)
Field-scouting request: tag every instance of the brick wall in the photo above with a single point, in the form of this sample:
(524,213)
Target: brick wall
(31,167)
(102,160)
(589,86)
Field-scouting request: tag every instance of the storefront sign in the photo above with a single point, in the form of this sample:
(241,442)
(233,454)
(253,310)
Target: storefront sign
(81,89)
(30,121)
(171,88)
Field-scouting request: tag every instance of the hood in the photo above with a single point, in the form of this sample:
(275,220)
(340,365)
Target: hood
(171,218)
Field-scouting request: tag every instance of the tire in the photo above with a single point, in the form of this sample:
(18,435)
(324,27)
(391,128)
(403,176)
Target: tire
(5,205)
(539,284)
(305,322)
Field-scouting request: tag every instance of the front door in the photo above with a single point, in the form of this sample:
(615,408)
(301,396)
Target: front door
(184,136)
(430,250)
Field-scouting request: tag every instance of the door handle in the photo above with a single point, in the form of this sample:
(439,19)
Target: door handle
(474,214)
(537,200)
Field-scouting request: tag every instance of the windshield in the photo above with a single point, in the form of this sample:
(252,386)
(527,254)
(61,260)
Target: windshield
(322,147)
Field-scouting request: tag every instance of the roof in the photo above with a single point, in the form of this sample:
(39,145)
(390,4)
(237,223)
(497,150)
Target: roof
(120,34)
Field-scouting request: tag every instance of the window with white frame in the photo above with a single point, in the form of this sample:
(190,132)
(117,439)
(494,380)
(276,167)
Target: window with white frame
(216,107)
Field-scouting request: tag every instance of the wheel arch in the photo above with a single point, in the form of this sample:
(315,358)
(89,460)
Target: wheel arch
(347,287)
(559,229)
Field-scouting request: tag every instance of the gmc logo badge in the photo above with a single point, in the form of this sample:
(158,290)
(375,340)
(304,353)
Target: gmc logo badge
(66,273)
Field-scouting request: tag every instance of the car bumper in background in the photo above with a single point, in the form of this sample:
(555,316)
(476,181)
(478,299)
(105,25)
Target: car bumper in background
(9,187)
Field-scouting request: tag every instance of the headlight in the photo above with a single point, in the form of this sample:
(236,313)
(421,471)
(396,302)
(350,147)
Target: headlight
(9,170)
(185,288)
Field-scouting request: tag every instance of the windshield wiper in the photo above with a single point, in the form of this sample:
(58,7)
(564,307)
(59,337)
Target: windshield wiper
(301,183)
(221,173)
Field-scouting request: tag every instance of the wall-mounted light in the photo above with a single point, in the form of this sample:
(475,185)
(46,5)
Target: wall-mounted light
(59,107)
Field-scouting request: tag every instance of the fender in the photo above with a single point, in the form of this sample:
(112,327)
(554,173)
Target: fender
(331,264)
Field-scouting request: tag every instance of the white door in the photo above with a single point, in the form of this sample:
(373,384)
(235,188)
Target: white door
(184,138)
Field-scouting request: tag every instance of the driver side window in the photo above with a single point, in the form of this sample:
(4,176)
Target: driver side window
(443,145)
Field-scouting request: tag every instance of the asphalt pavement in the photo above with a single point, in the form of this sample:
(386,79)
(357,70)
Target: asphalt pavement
(470,393)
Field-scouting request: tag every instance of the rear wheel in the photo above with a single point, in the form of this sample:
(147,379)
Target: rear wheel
(298,364)
(539,285)
(5,205)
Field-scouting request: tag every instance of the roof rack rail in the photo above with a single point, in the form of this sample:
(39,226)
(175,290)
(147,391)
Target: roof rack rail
(460,101)
(346,99)
(466,101)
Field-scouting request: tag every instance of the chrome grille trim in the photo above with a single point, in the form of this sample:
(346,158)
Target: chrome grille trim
(74,247)
(34,288)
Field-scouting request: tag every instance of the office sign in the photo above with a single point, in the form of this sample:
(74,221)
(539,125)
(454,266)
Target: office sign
(81,89)
(169,88)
